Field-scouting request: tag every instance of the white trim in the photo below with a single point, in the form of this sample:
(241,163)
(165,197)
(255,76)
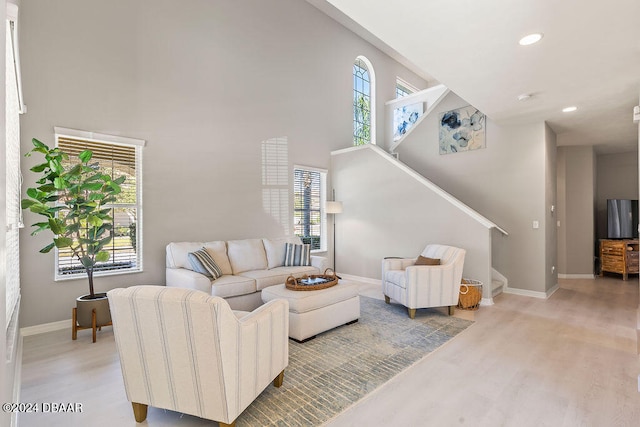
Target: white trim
(137,144)
(361,279)
(311,168)
(324,226)
(430,185)
(12,17)
(98,137)
(576,276)
(534,294)
(402,82)
(431,96)
(45,327)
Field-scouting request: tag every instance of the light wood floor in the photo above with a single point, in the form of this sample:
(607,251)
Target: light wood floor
(567,361)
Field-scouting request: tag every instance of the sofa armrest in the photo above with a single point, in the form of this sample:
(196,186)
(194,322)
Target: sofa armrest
(319,262)
(183,278)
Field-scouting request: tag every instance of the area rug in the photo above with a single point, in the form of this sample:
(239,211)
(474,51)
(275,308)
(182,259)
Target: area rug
(339,367)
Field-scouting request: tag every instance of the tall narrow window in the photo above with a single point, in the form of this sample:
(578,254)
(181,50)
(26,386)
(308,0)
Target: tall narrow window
(308,198)
(403,88)
(116,156)
(363,102)
(13,109)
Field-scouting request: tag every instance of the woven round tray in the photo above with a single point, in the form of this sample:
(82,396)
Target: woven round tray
(313,282)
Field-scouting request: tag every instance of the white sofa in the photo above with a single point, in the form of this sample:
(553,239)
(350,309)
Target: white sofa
(248,266)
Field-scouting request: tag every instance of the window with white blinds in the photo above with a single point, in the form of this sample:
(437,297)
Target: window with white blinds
(308,201)
(12,175)
(115,159)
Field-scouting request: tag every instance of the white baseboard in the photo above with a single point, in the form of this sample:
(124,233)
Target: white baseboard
(528,293)
(486,302)
(553,290)
(576,276)
(45,327)
(361,279)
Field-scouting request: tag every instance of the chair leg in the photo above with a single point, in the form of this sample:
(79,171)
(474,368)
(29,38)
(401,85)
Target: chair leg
(74,324)
(139,411)
(94,322)
(221,424)
(387,299)
(412,313)
(451,310)
(279,379)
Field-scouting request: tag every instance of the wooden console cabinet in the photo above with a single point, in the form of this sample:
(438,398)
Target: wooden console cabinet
(619,256)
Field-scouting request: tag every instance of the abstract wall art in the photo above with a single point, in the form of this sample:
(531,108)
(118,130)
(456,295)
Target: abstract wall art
(404,118)
(462,129)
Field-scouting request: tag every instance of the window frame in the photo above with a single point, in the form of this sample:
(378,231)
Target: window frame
(138,144)
(322,201)
(372,99)
(404,87)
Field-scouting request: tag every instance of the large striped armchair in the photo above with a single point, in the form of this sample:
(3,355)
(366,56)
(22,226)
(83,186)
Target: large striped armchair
(187,351)
(422,286)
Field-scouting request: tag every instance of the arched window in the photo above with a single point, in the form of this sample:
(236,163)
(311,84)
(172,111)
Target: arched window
(363,102)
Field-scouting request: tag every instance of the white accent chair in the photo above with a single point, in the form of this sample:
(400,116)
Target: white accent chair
(423,286)
(187,351)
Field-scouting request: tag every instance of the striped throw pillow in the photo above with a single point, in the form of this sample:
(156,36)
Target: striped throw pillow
(295,255)
(202,263)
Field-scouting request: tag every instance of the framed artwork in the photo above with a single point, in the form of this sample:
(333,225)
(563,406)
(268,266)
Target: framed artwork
(404,118)
(462,129)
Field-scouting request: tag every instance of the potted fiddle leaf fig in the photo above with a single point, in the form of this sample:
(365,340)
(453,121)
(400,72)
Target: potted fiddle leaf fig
(73,197)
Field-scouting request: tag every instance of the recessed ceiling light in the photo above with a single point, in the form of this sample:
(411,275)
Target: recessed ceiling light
(569,109)
(530,39)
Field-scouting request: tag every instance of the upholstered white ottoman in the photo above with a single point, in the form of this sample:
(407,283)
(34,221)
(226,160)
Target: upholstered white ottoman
(312,312)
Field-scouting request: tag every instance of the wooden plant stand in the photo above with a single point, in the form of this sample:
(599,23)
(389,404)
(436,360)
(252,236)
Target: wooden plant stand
(75,327)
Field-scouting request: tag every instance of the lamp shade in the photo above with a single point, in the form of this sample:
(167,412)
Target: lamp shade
(333,207)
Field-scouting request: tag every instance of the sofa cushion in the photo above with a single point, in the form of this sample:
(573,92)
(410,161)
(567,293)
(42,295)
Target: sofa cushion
(202,263)
(396,277)
(297,255)
(277,276)
(231,286)
(246,255)
(275,249)
(177,254)
(218,251)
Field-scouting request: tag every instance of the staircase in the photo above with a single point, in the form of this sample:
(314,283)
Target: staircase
(399,209)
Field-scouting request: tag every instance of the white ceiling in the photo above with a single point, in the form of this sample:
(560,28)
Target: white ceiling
(589,57)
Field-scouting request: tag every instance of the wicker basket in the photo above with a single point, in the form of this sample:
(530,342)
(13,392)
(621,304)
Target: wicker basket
(326,280)
(470,294)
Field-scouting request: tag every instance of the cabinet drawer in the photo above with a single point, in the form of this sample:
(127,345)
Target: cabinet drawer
(613,250)
(613,264)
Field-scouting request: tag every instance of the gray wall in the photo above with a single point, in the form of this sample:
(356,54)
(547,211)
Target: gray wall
(616,178)
(551,202)
(389,213)
(505,182)
(204,82)
(576,176)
